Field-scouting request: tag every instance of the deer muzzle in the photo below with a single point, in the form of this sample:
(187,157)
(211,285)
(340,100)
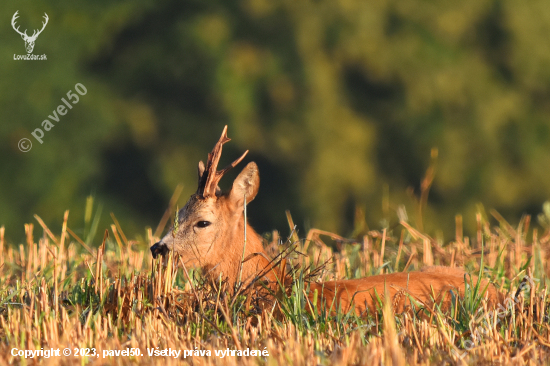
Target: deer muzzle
(159,248)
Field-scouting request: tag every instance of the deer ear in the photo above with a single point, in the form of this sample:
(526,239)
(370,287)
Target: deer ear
(201,170)
(246,184)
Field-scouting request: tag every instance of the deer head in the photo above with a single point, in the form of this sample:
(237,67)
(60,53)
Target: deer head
(29,41)
(210,227)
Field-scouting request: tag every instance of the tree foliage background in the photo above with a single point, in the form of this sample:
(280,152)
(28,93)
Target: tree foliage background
(340,103)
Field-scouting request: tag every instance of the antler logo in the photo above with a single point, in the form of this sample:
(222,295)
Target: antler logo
(29,41)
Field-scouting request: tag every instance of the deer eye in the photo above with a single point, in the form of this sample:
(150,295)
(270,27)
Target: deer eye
(202,224)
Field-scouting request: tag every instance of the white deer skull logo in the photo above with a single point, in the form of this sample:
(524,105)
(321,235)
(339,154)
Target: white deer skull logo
(29,41)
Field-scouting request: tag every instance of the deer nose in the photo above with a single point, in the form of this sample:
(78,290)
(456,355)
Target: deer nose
(159,248)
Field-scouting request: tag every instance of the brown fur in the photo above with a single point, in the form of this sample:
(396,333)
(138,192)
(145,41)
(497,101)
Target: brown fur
(218,249)
(425,288)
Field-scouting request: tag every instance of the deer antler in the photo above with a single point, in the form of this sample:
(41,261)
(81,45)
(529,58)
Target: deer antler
(15,16)
(35,34)
(24,34)
(210,178)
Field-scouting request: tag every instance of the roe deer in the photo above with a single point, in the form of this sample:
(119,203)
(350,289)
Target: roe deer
(210,234)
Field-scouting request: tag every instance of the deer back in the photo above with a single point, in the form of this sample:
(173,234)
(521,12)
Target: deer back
(433,285)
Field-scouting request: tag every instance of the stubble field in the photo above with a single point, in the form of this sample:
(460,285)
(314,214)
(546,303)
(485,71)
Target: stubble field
(103,300)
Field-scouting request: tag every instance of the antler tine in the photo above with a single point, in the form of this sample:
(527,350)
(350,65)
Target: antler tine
(220,174)
(211,177)
(212,164)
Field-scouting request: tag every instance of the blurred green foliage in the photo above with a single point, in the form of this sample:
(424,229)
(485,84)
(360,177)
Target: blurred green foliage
(340,103)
